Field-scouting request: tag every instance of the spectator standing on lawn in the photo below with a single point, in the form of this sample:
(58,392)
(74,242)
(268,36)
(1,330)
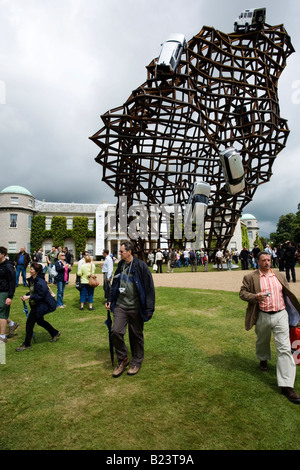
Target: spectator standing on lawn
(107,270)
(264,291)
(7,290)
(290,260)
(205,261)
(171,260)
(62,269)
(150,258)
(159,260)
(22,261)
(219,259)
(280,257)
(228,259)
(274,257)
(254,254)
(244,257)
(132,301)
(193,260)
(51,257)
(86,291)
(186,257)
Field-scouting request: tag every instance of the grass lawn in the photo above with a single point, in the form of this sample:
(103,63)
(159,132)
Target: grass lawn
(199,387)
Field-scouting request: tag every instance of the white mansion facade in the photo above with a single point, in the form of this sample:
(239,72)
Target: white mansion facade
(18,207)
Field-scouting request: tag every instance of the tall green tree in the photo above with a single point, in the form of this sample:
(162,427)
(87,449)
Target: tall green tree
(245,238)
(258,242)
(284,230)
(295,234)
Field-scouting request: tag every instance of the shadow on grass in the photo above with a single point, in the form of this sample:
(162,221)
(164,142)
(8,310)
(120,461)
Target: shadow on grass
(233,364)
(103,356)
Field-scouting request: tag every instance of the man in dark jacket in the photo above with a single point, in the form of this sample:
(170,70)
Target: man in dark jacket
(244,255)
(280,257)
(132,301)
(254,254)
(7,290)
(289,260)
(22,261)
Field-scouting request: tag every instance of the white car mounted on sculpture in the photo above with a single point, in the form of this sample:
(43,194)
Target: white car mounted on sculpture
(198,202)
(170,55)
(233,170)
(253,18)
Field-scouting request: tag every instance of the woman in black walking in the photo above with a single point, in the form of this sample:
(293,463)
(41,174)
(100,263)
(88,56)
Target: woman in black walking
(41,302)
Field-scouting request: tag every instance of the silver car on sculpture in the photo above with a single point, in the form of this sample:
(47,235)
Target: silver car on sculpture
(233,170)
(170,55)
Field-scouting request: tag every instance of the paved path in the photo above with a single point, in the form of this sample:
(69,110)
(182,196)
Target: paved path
(218,280)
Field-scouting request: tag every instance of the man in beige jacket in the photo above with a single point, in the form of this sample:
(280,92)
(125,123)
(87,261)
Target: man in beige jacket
(266,295)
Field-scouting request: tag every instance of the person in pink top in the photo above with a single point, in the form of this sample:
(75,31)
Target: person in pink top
(267,295)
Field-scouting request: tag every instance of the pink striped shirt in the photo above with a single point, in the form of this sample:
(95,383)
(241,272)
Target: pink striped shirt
(271,284)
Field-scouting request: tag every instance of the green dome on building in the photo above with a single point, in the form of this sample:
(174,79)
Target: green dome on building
(247,217)
(16,189)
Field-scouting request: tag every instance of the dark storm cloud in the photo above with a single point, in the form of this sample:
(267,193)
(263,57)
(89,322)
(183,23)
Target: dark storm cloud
(66,63)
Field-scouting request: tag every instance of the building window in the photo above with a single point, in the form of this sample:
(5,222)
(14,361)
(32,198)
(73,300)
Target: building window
(91,224)
(47,248)
(29,221)
(12,247)
(112,225)
(14,200)
(250,235)
(30,202)
(13,220)
(69,223)
(90,249)
(48,222)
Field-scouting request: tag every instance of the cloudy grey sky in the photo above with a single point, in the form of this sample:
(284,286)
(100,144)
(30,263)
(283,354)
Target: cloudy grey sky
(63,63)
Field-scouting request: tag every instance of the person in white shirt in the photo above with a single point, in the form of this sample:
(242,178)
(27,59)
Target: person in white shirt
(219,259)
(159,260)
(186,255)
(107,270)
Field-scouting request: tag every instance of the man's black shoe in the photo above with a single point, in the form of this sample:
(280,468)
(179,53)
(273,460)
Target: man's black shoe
(291,395)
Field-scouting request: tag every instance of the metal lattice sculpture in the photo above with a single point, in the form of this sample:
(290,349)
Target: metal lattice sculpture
(171,131)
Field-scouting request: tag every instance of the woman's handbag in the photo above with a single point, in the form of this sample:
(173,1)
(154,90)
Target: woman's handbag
(93,282)
(52,271)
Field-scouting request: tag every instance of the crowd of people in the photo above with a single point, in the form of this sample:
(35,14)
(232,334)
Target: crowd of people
(285,258)
(129,293)
(40,297)
(176,258)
